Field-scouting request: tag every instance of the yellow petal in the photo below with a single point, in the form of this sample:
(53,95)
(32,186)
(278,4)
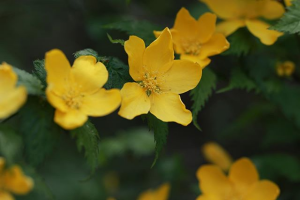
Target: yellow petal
(202,62)
(135,48)
(71,119)
(101,103)
(15,181)
(210,197)
(260,30)
(272,10)
(5,195)
(228,9)
(162,193)
(243,174)
(288,2)
(88,75)
(2,164)
(177,41)
(213,182)
(11,101)
(207,23)
(134,101)
(168,107)
(215,154)
(56,100)
(230,26)
(157,33)
(58,70)
(216,45)
(159,53)
(8,78)
(181,77)
(263,190)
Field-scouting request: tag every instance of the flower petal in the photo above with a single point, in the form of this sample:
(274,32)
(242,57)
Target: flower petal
(8,78)
(168,107)
(162,193)
(2,164)
(260,30)
(263,190)
(56,101)
(182,76)
(224,9)
(101,103)
(213,182)
(58,70)
(230,26)
(88,75)
(216,45)
(209,197)
(71,119)
(159,53)
(134,101)
(243,174)
(5,195)
(11,101)
(207,23)
(202,62)
(272,10)
(135,48)
(16,182)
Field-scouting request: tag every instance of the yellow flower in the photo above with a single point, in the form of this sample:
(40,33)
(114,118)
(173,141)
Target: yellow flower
(162,193)
(242,183)
(215,154)
(286,68)
(159,79)
(76,92)
(11,97)
(196,40)
(13,180)
(288,2)
(241,13)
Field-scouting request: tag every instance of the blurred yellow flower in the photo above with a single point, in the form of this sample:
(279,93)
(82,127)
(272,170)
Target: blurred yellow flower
(196,40)
(242,183)
(110,198)
(11,97)
(241,13)
(159,79)
(215,154)
(288,2)
(76,92)
(286,68)
(162,193)
(13,180)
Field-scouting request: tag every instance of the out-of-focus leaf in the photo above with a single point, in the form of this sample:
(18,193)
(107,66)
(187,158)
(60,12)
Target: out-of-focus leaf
(32,83)
(202,92)
(290,22)
(40,71)
(86,52)
(39,132)
(87,138)
(115,41)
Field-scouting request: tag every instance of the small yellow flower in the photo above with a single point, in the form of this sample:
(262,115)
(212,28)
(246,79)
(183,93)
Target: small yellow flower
(215,154)
(242,183)
(286,68)
(196,40)
(288,2)
(13,180)
(11,97)
(241,13)
(159,79)
(76,92)
(162,193)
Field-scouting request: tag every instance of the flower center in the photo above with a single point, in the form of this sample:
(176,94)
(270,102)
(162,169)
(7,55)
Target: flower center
(72,99)
(150,83)
(191,47)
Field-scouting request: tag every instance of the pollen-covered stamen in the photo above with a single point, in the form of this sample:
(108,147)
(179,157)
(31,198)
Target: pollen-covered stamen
(72,99)
(150,83)
(191,47)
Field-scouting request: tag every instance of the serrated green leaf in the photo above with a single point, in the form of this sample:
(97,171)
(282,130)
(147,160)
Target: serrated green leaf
(202,92)
(87,138)
(33,84)
(290,22)
(86,52)
(161,131)
(118,72)
(115,41)
(40,133)
(10,143)
(40,71)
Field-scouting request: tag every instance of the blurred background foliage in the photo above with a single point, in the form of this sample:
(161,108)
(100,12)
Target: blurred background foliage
(252,111)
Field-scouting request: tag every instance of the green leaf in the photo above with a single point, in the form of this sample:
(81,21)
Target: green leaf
(202,92)
(88,139)
(40,71)
(115,41)
(143,29)
(40,133)
(86,52)
(275,166)
(239,80)
(161,131)
(32,83)
(10,143)
(290,22)
(118,72)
